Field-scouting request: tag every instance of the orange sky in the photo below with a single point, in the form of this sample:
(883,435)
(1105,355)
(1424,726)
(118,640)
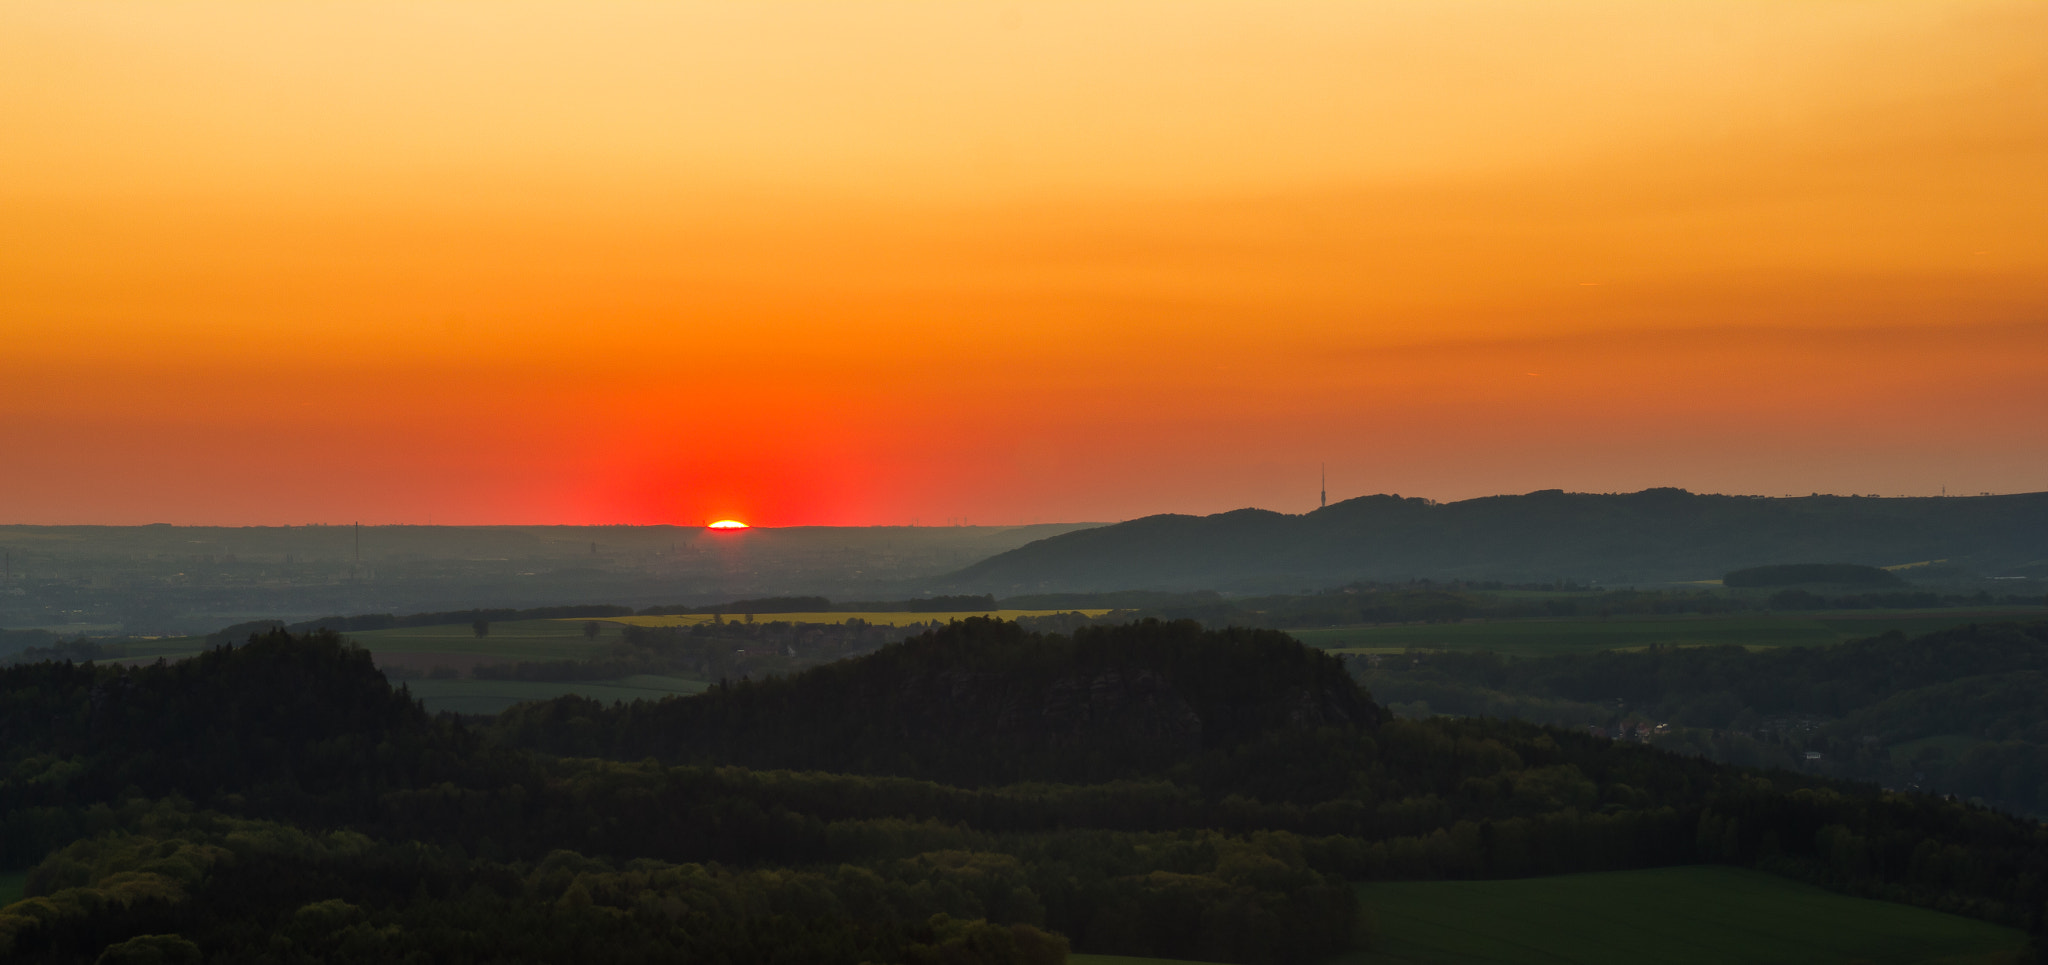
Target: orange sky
(864,263)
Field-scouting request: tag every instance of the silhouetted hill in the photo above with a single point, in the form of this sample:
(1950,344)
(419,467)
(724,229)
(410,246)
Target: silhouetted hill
(983,701)
(1651,536)
(304,725)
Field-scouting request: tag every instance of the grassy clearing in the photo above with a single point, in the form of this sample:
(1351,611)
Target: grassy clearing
(1535,638)
(12,883)
(1702,915)
(876,619)
(493,696)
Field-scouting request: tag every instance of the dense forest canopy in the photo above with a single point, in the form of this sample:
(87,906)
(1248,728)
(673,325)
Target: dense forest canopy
(1961,711)
(983,702)
(278,800)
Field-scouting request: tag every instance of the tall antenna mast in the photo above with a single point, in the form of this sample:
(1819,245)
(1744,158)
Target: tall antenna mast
(1325,503)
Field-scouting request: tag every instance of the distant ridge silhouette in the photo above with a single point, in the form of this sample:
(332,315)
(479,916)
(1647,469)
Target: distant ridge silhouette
(1657,535)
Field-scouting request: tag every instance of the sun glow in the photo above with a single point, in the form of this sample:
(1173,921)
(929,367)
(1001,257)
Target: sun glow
(1752,248)
(727,524)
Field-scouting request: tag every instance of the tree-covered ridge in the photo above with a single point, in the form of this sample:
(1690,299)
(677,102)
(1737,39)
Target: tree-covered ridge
(425,840)
(983,701)
(1649,536)
(1981,684)
(1818,680)
(1426,602)
(306,724)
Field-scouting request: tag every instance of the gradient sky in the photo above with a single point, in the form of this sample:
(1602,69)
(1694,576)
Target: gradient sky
(872,262)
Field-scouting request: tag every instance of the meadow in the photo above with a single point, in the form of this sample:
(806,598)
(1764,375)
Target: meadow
(1543,637)
(1705,914)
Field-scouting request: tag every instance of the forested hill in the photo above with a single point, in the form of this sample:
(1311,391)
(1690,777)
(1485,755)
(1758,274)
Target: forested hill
(1961,711)
(983,701)
(279,801)
(1654,535)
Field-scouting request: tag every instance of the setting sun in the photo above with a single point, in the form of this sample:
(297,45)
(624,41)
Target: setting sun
(1189,251)
(727,524)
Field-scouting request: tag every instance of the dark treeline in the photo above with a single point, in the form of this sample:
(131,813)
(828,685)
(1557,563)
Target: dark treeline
(1793,574)
(278,801)
(1804,599)
(1962,711)
(818,604)
(980,702)
(80,649)
(772,604)
(386,621)
(711,651)
(936,604)
(1426,602)
(15,641)
(766,605)
(734,649)
(1421,601)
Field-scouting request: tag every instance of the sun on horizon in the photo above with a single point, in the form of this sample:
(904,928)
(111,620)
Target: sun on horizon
(728,524)
(1150,256)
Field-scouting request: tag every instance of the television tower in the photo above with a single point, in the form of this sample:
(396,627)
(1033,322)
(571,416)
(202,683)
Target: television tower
(1324,503)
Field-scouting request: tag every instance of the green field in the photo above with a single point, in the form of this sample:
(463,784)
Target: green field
(492,696)
(1677,916)
(1535,638)
(11,885)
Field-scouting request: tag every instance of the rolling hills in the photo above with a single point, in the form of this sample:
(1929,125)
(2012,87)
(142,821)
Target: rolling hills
(1657,535)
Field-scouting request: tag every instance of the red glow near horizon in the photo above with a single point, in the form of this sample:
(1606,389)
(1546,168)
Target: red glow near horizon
(702,261)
